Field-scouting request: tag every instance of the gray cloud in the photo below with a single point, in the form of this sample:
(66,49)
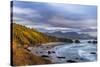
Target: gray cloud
(56,17)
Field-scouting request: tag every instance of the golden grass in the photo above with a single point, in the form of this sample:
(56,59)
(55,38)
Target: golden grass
(23,57)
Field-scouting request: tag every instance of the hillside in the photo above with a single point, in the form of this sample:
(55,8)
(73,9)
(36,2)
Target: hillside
(21,56)
(26,36)
(23,37)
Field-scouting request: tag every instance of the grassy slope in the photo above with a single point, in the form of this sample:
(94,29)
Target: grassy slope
(27,36)
(23,57)
(24,36)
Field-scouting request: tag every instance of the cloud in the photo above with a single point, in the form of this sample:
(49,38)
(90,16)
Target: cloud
(21,21)
(56,17)
(20,10)
(25,15)
(48,28)
(26,12)
(85,11)
(67,7)
(61,21)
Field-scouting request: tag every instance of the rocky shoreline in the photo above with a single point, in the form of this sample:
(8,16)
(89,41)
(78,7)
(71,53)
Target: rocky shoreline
(50,52)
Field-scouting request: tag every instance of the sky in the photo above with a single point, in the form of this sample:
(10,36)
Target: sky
(51,17)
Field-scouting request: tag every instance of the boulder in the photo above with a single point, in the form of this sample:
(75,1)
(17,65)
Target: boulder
(77,41)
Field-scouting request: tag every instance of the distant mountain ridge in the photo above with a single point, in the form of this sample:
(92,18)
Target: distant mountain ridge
(71,35)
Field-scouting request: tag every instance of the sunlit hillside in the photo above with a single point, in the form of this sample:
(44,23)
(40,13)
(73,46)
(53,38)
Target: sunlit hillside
(22,36)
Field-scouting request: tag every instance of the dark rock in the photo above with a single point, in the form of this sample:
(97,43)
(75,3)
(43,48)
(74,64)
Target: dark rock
(81,58)
(94,42)
(89,42)
(53,51)
(61,57)
(92,53)
(77,41)
(44,56)
(49,52)
(76,58)
(71,61)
